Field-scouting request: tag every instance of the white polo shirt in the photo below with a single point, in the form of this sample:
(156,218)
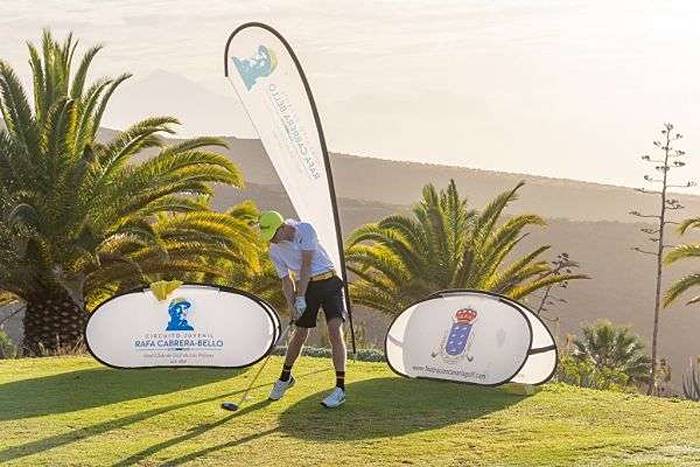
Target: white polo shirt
(286,256)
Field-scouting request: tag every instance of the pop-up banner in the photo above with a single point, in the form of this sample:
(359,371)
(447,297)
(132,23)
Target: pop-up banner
(195,326)
(268,79)
(471,337)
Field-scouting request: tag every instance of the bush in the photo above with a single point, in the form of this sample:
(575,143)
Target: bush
(584,373)
(8,349)
(606,356)
(363,355)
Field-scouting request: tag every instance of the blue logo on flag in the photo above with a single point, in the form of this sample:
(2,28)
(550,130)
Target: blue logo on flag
(259,66)
(178,310)
(459,333)
(456,342)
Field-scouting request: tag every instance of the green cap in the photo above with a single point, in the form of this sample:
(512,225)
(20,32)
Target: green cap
(269,222)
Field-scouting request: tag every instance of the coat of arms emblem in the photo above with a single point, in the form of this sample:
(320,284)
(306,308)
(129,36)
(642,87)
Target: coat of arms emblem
(457,340)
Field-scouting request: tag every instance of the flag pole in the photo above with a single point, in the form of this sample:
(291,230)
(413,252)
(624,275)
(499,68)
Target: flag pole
(324,151)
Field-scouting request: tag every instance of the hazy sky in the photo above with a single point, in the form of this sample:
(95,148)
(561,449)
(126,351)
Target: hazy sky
(571,89)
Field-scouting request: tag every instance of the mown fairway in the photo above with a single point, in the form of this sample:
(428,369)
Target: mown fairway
(71,411)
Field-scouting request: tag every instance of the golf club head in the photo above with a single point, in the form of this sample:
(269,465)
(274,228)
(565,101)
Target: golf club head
(230,406)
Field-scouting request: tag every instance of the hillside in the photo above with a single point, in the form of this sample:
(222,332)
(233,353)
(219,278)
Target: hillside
(71,411)
(394,182)
(399,183)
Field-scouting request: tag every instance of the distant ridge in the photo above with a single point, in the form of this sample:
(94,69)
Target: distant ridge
(400,183)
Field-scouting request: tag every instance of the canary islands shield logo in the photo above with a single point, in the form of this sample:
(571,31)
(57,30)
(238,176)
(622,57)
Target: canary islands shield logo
(259,66)
(457,340)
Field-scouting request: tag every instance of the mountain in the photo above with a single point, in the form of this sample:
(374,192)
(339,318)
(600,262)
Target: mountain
(398,183)
(171,94)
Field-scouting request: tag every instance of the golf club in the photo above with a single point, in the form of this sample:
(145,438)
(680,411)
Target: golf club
(231,406)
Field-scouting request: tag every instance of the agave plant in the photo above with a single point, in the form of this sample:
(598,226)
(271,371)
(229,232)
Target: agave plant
(445,245)
(691,383)
(610,347)
(81,218)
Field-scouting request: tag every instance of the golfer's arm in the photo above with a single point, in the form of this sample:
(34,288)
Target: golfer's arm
(288,290)
(305,273)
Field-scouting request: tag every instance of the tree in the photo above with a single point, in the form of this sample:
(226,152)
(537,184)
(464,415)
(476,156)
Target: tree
(194,246)
(670,159)
(444,245)
(80,219)
(613,348)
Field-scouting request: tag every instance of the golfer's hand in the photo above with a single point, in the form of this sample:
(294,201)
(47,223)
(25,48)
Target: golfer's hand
(299,307)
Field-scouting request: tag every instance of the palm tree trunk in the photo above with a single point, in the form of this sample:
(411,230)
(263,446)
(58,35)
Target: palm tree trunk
(52,322)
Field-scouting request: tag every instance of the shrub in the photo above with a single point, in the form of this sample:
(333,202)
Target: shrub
(584,373)
(363,355)
(8,349)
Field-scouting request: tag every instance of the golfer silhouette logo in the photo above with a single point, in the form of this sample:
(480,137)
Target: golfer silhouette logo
(457,341)
(260,66)
(178,309)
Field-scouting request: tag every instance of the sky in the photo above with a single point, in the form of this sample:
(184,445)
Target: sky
(566,89)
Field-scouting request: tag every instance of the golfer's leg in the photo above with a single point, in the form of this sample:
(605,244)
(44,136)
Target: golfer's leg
(335,336)
(286,380)
(295,345)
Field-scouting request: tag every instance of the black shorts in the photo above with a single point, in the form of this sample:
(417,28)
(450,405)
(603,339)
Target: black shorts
(326,294)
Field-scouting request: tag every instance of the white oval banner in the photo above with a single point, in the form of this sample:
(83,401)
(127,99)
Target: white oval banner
(468,337)
(196,326)
(542,356)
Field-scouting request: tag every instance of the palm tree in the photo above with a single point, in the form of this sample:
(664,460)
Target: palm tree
(192,246)
(243,264)
(445,245)
(682,252)
(256,274)
(610,347)
(80,219)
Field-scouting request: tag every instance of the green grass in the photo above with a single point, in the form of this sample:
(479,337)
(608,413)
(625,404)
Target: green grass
(71,411)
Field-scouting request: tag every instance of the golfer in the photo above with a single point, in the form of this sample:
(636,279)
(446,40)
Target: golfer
(309,282)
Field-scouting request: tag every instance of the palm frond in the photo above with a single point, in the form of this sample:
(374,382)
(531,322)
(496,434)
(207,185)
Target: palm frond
(681,286)
(15,107)
(526,289)
(682,252)
(80,75)
(446,244)
(691,223)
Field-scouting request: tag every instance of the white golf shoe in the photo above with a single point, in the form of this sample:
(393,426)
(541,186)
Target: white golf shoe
(334,399)
(280,388)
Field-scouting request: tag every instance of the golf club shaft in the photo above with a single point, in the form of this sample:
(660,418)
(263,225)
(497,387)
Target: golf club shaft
(262,367)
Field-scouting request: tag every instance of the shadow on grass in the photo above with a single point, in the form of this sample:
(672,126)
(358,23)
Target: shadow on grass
(80,434)
(203,452)
(392,406)
(84,389)
(193,433)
